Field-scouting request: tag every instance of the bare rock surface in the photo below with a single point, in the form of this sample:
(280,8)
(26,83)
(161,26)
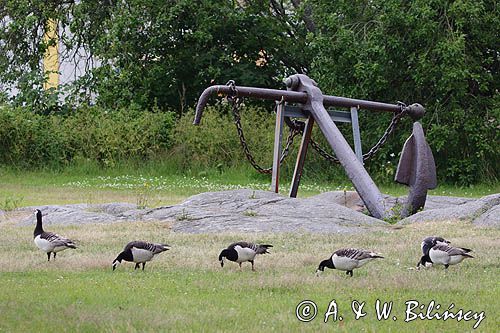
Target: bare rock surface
(478,211)
(228,211)
(262,211)
(490,218)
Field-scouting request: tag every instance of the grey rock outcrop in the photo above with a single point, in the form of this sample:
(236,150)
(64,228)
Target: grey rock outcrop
(262,211)
(229,211)
(478,211)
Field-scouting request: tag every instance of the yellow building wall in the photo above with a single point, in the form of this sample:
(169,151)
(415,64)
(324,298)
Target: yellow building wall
(51,57)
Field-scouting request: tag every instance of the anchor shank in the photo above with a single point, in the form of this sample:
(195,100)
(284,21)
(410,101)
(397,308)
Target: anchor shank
(362,182)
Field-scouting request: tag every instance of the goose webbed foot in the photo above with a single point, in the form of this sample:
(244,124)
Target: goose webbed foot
(143,265)
(136,266)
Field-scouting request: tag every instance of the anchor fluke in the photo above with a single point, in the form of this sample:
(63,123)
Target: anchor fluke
(417,170)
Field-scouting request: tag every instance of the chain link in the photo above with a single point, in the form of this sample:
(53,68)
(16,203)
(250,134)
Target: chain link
(236,102)
(297,127)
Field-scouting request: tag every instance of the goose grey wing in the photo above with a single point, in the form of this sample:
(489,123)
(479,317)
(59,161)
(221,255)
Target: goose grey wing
(242,244)
(429,242)
(466,250)
(137,244)
(258,248)
(452,251)
(158,248)
(355,254)
(155,248)
(56,239)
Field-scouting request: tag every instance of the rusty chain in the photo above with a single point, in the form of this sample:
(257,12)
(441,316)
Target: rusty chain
(236,102)
(297,127)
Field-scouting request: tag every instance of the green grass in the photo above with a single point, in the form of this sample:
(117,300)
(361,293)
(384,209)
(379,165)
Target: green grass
(157,184)
(185,289)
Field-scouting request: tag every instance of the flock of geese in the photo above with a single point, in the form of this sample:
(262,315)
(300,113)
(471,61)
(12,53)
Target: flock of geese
(435,250)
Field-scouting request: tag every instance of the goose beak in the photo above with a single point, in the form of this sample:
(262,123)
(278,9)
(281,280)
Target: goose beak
(222,263)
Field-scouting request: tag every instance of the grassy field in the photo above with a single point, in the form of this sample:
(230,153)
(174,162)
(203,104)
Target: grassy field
(156,186)
(185,289)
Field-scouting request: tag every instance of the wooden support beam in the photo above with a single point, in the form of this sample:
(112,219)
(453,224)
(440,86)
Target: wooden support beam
(301,157)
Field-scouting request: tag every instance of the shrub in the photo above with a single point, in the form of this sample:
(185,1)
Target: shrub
(51,141)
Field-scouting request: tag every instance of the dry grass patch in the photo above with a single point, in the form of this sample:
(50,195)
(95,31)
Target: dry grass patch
(185,289)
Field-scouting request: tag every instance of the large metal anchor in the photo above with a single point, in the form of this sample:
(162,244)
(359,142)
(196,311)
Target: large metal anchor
(416,167)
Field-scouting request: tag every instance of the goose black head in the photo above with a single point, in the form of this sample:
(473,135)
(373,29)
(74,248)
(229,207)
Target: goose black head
(424,261)
(38,227)
(38,214)
(229,254)
(325,263)
(117,261)
(222,255)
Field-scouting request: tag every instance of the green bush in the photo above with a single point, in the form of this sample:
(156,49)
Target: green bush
(215,144)
(88,133)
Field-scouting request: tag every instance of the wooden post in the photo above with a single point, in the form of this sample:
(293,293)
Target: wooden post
(355,134)
(299,165)
(278,137)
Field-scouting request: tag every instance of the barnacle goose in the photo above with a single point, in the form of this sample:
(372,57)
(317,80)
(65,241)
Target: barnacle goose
(427,244)
(243,251)
(49,242)
(430,242)
(446,255)
(347,260)
(139,252)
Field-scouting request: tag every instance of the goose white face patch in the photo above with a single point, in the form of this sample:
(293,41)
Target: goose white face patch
(116,263)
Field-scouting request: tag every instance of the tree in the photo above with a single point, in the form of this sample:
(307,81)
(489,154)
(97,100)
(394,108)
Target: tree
(156,52)
(442,54)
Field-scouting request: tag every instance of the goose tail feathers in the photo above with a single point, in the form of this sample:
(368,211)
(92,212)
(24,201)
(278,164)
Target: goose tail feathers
(262,249)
